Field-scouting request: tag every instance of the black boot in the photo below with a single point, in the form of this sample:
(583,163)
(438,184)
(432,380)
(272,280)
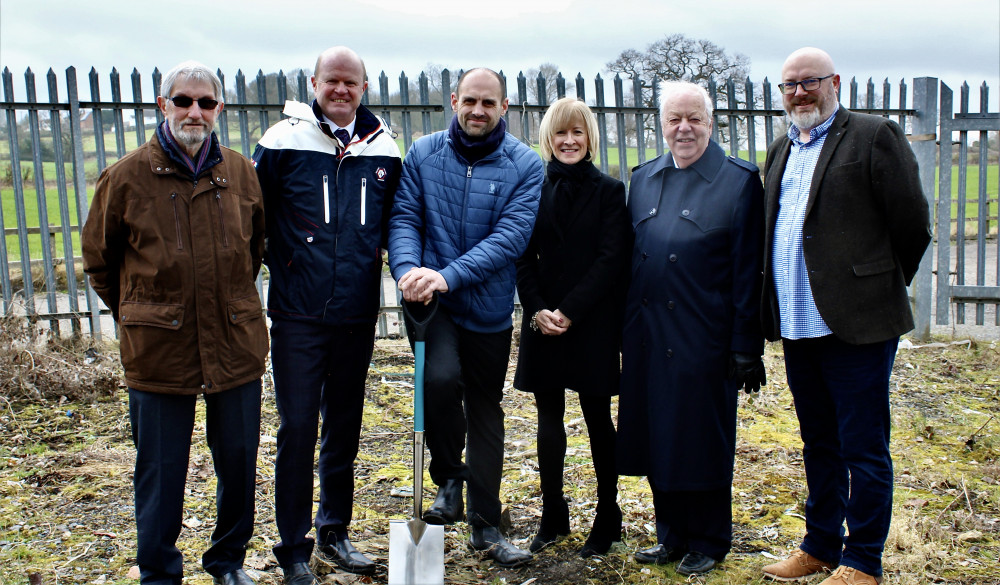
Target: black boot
(448,506)
(607,529)
(555,523)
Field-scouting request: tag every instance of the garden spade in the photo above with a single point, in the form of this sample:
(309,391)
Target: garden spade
(416,549)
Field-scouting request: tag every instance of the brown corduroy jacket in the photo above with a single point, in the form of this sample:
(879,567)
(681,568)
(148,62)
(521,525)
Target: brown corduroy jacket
(175,260)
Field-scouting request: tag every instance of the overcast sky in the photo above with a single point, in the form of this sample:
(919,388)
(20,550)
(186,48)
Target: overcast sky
(953,40)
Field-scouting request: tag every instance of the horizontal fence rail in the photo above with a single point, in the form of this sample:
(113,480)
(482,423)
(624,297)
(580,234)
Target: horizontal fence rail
(55,150)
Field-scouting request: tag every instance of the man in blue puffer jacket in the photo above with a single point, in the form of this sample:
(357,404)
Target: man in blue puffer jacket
(463,214)
(328,174)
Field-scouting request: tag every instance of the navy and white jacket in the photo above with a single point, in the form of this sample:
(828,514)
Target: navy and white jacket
(468,222)
(327,211)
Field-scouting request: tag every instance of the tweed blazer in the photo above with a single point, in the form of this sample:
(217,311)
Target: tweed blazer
(866,228)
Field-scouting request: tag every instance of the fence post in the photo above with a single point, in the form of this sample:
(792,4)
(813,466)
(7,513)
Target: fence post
(80,189)
(922,140)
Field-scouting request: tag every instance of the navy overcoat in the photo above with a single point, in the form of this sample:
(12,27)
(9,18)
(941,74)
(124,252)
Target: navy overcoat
(693,299)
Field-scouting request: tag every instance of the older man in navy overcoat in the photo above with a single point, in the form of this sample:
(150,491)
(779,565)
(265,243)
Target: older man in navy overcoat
(692,332)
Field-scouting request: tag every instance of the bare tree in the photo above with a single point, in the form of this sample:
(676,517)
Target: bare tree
(677,57)
(549,73)
(680,58)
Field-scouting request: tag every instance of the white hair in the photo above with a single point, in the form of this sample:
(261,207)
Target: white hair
(671,89)
(190,70)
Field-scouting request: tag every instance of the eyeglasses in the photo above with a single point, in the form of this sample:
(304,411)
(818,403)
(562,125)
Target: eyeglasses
(811,84)
(183,101)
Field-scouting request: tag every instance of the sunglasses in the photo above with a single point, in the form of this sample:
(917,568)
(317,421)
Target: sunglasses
(183,101)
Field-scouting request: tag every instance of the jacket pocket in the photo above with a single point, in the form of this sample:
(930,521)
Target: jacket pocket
(167,316)
(873,268)
(245,309)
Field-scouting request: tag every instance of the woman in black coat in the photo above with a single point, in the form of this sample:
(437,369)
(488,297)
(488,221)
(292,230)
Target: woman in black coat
(572,281)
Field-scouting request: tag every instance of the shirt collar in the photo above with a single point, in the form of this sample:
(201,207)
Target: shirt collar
(818,131)
(335,127)
(707,165)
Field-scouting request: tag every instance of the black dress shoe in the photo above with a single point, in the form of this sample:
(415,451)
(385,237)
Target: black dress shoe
(695,563)
(497,548)
(544,539)
(237,577)
(555,523)
(448,507)
(658,555)
(299,574)
(607,529)
(347,557)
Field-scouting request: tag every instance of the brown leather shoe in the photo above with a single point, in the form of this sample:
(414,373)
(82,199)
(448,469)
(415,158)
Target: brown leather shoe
(798,566)
(850,576)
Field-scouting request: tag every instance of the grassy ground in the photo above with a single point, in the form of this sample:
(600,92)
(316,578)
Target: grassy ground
(66,494)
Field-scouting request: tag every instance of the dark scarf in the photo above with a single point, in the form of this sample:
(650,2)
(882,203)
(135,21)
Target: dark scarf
(472,149)
(568,181)
(209,155)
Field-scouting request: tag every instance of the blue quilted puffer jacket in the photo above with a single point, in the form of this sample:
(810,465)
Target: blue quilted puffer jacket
(468,222)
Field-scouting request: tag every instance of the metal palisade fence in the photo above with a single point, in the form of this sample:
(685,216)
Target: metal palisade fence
(53,151)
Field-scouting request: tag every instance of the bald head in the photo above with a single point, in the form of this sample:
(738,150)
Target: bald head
(339,83)
(809,56)
(342,55)
(809,108)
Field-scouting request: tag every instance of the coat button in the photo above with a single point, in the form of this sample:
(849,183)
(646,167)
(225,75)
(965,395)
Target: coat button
(670,304)
(645,255)
(174,322)
(686,212)
(670,353)
(309,239)
(159,168)
(203,387)
(209,384)
(652,211)
(233,316)
(673,257)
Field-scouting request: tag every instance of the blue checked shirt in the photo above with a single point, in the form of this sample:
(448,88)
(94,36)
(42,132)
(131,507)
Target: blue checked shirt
(800,318)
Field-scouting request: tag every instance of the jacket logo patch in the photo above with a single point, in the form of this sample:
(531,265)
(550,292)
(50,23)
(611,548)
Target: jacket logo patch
(493,188)
(380,173)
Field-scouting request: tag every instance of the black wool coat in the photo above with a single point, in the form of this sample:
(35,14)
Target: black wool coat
(577,262)
(866,228)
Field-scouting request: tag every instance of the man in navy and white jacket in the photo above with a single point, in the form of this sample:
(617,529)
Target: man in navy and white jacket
(328,173)
(464,213)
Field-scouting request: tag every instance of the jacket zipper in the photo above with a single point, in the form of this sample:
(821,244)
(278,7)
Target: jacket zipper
(364,190)
(326,198)
(222,220)
(177,221)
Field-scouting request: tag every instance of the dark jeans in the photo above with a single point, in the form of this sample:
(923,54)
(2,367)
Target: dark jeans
(161,430)
(552,443)
(841,394)
(695,520)
(318,370)
(463,387)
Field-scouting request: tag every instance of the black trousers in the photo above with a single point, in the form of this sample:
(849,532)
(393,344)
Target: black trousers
(318,370)
(552,443)
(161,430)
(463,386)
(695,520)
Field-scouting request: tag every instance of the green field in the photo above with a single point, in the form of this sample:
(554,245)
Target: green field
(35,241)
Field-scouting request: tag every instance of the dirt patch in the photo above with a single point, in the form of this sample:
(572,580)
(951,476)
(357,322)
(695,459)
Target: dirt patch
(66,493)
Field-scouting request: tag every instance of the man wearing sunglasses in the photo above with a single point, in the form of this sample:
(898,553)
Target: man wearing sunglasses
(172,243)
(329,174)
(846,226)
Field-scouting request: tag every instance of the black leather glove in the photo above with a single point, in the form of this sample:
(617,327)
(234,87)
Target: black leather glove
(748,369)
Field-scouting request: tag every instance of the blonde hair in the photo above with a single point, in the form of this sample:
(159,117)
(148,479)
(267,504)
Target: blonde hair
(560,115)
